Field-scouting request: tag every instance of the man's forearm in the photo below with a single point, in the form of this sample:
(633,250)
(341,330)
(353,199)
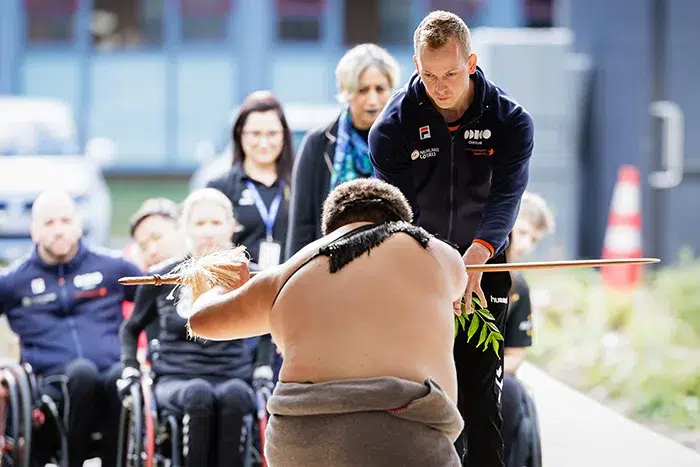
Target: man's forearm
(501,210)
(499,218)
(509,179)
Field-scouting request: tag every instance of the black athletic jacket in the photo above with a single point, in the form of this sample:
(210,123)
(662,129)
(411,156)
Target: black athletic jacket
(176,353)
(463,185)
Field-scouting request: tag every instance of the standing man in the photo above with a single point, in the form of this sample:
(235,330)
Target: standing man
(459,147)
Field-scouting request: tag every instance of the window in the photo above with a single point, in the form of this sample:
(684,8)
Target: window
(468,10)
(205,20)
(300,20)
(50,20)
(539,13)
(385,22)
(396,26)
(118,24)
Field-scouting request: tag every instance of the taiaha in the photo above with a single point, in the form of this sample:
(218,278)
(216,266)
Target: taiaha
(158,280)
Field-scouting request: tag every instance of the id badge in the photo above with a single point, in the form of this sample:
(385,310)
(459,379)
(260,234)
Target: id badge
(269,254)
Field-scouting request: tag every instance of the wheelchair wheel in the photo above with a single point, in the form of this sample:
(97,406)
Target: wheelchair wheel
(11,443)
(173,428)
(131,433)
(254,425)
(21,405)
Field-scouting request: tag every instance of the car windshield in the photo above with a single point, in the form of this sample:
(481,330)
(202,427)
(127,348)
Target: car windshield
(36,130)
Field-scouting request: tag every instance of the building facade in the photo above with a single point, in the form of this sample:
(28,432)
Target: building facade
(158,76)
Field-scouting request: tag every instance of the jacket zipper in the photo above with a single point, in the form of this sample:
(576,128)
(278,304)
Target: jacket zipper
(450,222)
(64,307)
(452,184)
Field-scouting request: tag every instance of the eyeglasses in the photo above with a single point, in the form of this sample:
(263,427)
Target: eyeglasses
(257,136)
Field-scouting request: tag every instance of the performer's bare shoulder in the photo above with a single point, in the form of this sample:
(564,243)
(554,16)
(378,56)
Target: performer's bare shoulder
(372,298)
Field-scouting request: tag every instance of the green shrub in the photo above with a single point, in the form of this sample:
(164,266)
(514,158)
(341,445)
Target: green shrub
(642,348)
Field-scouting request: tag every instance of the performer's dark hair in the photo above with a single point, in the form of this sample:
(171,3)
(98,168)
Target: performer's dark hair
(364,200)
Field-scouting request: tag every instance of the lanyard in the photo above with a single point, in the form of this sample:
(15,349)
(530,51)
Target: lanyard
(268,217)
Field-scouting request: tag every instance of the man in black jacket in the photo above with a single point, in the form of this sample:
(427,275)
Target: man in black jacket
(458,147)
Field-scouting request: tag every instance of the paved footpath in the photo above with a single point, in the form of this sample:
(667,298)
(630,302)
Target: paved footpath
(580,432)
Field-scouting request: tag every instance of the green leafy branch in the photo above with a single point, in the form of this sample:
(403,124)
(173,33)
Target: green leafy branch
(489,335)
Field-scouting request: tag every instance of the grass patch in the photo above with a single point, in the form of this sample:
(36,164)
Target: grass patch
(639,350)
(129,193)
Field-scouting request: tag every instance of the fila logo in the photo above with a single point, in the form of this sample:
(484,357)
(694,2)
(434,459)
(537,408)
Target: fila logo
(477,134)
(499,299)
(424,132)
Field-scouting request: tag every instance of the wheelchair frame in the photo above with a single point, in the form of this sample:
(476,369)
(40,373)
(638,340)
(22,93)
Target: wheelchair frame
(161,430)
(28,411)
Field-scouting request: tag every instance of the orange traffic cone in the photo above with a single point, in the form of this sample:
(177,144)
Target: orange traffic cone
(623,236)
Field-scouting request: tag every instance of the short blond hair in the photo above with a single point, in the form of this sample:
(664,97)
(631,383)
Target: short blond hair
(207,195)
(436,30)
(535,210)
(355,61)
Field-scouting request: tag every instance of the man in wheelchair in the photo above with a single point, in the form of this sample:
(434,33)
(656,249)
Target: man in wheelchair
(206,383)
(64,302)
(534,222)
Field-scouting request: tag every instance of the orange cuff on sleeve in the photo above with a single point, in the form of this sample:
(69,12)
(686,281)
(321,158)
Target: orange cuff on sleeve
(486,244)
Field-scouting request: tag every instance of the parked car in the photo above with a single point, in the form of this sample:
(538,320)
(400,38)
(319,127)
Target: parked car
(215,158)
(39,150)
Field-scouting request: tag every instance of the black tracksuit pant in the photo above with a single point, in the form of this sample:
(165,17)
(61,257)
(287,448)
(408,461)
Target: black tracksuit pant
(212,417)
(480,381)
(93,406)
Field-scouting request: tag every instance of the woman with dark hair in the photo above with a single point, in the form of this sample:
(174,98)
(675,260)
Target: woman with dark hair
(258,182)
(258,185)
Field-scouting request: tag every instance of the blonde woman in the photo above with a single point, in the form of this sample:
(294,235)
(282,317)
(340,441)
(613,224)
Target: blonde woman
(338,152)
(208,383)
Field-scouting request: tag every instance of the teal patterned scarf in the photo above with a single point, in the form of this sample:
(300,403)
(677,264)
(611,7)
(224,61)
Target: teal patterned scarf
(351,159)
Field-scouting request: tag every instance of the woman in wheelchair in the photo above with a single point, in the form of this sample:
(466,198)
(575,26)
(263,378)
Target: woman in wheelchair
(207,384)
(534,221)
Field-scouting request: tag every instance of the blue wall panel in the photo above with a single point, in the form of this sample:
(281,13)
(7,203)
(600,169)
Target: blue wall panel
(157,105)
(48,74)
(206,86)
(297,79)
(128,102)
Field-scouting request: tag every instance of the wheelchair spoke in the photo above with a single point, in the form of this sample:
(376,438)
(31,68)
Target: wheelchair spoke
(8,449)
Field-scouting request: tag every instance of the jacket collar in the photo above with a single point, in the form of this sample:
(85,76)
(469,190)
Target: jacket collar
(238,176)
(331,131)
(70,265)
(483,94)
